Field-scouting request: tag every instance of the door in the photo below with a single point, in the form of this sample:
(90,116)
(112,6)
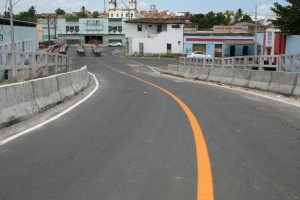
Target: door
(218,50)
(169,48)
(245,50)
(141,48)
(232,51)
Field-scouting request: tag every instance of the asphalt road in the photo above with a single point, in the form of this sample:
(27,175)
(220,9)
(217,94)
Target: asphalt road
(131,141)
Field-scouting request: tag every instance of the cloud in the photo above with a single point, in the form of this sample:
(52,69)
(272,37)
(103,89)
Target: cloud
(265,10)
(143,6)
(43,6)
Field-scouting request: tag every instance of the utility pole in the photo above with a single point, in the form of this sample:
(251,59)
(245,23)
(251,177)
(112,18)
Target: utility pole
(13,77)
(104,6)
(48,20)
(55,26)
(255,31)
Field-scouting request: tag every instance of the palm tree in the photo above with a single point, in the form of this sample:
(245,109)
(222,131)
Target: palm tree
(228,14)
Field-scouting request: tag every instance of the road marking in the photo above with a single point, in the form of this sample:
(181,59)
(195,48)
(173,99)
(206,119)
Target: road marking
(205,182)
(53,118)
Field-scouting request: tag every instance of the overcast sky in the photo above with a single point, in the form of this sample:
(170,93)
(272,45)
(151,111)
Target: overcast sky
(193,6)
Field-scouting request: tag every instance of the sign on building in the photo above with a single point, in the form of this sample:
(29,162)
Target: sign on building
(230,29)
(269,38)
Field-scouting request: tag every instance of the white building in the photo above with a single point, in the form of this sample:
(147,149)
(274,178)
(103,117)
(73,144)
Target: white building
(154,36)
(122,10)
(25,37)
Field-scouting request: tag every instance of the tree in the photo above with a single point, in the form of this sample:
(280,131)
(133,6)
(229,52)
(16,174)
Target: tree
(209,20)
(288,17)
(246,18)
(83,13)
(29,15)
(228,14)
(59,11)
(6,14)
(238,15)
(96,14)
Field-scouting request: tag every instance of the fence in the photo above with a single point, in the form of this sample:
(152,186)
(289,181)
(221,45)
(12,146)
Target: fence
(289,63)
(38,64)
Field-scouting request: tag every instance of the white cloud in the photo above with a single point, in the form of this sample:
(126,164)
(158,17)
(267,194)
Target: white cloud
(143,6)
(44,6)
(265,10)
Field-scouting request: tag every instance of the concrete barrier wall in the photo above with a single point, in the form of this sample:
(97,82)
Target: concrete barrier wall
(278,82)
(282,82)
(203,73)
(65,88)
(260,79)
(16,102)
(241,77)
(221,74)
(184,71)
(296,91)
(78,79)
(22,100)
(45,92)
(172,69)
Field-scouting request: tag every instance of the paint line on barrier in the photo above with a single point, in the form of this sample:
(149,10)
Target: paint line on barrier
(52,118)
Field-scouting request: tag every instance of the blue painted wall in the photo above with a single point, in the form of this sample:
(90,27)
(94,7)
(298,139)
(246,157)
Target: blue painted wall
(210,46)
(292,44)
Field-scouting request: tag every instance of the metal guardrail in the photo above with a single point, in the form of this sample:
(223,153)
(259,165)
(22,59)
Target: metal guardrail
(50,63)
(288,62)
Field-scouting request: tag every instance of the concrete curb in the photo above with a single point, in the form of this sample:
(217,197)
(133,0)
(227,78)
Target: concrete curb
(241,77)
(282,82)
(260,79)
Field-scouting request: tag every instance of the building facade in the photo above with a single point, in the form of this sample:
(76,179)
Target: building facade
(154,36)
(219,45)
(91,30)
(25,36)
(122,10)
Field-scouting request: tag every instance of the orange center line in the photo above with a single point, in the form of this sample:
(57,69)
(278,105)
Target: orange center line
(205,182)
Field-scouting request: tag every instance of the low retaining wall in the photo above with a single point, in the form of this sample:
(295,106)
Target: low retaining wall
(285,83)
(21,100)
(241,77)
(282,82)
(296,91)
(260,79)
(221,74)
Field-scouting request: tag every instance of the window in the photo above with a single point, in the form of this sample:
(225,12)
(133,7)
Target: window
(117,15)
(176,26)
(159,28)
(112,15)
(114,28)
(139,27)
(122,15)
